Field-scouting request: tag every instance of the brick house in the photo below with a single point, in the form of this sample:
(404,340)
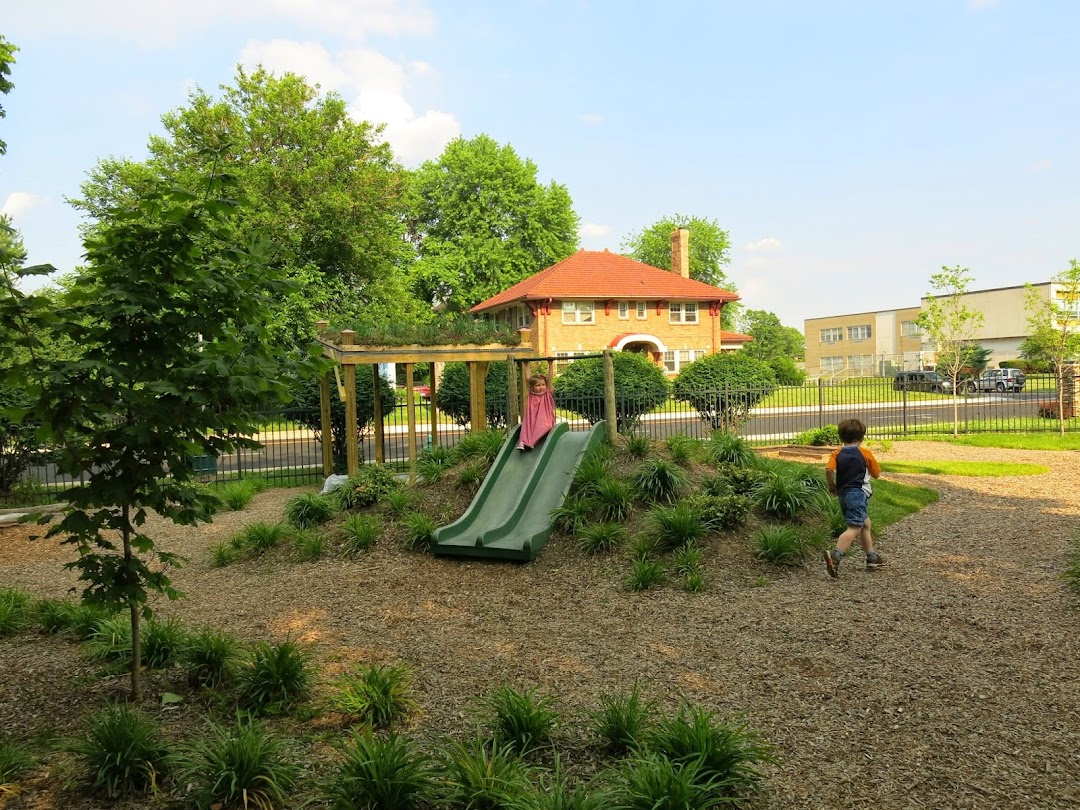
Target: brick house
(597,299)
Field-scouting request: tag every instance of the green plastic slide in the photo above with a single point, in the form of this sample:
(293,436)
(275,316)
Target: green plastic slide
(510,517)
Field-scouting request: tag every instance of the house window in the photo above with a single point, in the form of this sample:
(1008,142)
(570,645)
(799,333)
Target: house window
(642,310)
(523,318)
(562,360)
(835,363)
(676,360)
(685,312)
(910,329)
(671,363)
(858,332)
(624,310)
(577,312)
(832,335)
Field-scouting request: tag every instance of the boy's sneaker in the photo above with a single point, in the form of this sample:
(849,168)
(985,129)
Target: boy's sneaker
(832,565)
(875,562)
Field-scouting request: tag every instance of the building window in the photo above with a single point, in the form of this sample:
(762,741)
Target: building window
(676,360)
(832,363)
(624,310)
(523,318)
(642,310)
(861,363)
(685,312)
(671,363)
(562,360)
(832,335)
(577,312)
(909,329)
(858,332)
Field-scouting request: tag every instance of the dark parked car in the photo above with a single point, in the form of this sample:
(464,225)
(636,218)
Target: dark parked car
(996,379)
(922,381)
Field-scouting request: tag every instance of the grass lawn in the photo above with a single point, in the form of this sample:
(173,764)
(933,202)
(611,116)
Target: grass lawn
(893,501)
(977,468)
(1011,441)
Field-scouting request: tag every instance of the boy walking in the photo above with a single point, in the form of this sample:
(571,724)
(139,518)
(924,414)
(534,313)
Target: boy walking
(849,471)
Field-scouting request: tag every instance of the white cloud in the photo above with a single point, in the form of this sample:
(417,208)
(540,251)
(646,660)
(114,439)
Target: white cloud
(19,202)
(593,119)
(1041,166)
(309,59)
(768,243)
(161,22)
(592,230)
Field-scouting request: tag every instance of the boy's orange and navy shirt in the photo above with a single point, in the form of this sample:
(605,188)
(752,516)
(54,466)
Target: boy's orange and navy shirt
(854,466)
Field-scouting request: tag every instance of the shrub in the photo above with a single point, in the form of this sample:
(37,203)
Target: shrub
(259,537)
(622,720)
(819,437)
(375,694)
(483,445)
(640,386)
(454,395)
(482,775)
(433,463)
(381,772)
(309,509)
(521,719)
(238,767)
(780,544)
(721,513)
(728,755)
(638,445)
(784,495)
(18,440)
(601,537)
(646,574)
(1049,410)
(123,752)
(787,373)
(682,448)
(237,494)
(309,544)
(714,485)
(370,484)
(15,612)
(675,526)
(211,657)
(613,500)
(275,677)
(741,480)
(306,400)
(727,448)
(724,387)
(418,530)
(163,642)
(660,481)
(360,532)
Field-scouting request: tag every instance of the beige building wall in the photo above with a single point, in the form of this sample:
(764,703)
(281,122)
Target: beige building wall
(862,344)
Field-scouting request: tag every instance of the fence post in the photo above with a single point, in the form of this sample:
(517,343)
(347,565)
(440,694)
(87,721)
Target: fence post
(820,403)
(376,398)
(610,413)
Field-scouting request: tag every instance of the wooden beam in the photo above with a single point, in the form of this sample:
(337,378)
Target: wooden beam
(610,414)
(352,450)
(477,397)
(512,391)
(380,453)
(325,425)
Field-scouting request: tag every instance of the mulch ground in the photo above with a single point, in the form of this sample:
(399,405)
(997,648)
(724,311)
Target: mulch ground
(949,680)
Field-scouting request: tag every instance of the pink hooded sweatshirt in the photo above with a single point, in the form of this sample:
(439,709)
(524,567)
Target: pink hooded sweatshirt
(538,420)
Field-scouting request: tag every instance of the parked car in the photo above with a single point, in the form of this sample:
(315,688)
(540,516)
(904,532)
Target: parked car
(422,391)
(922,381)
(996,379)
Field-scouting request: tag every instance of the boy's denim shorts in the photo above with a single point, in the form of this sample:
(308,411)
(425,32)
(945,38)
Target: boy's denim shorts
(853,505)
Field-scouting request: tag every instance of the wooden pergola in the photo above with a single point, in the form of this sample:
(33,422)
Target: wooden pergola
(347,355)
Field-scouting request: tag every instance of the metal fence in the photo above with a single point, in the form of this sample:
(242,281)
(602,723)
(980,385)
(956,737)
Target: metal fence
(291,451)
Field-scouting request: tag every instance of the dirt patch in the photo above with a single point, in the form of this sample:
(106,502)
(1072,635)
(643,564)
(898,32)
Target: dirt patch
(951,679)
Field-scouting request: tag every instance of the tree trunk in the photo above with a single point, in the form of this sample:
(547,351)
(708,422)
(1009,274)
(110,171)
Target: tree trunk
(133,608)
(1061,398)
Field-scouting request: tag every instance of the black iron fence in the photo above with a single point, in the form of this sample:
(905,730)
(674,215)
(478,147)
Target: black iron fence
(291,451)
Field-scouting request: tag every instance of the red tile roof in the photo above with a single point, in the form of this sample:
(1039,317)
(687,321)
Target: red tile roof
(600,274)
(735,337)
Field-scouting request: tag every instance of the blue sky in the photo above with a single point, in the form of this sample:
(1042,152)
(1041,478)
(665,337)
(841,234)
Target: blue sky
(849,147)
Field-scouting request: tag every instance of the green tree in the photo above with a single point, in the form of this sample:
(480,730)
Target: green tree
(974,357)
(950,324)
(453,394)
(771,338)
(176,363)
(321,182)
(481,222)
(1054,322)
(305,407)
(640,386)
(709,253)
(7,59)
(724,387)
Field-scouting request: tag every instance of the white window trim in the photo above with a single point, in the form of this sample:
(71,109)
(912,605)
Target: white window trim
(578,311)
(624,310)
(851,332)
(642,310)
(684,309)
(836,331)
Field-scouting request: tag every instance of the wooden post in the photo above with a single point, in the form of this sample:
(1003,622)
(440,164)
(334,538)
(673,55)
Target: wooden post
(523,383)
(326,425)
(352,454)
(609,398)
(380,454)
(512,391)
(477,398)
(410,409)
(433,411)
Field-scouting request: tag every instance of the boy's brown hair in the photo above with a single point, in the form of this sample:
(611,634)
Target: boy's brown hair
(851,431)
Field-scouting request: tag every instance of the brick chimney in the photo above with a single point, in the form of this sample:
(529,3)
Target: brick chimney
(680,252)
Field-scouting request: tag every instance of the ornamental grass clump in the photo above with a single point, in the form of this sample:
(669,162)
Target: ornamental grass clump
(15,610)
(482,775)
(238,767)
(85,618)
(211,657)
(260,537)
(613,500)
(572,516)
(675,526)
(275,677)
(1072,570)
(419,529)
(237,494)
(309,509)
(682,449)
(687,558)
(593,470)
(122,752)
(309,544)
(638,445)
(645,575)
(729,448)
(110,640)
(660,481)
(163,642)
(360,533)
(399,502)
(622,720)
(381,771)
(480,445)
(375,694)
(471,474)
(781,544)
(54,615)
(433,464)
(521,719)
(16,761)
(600,538)
(785,495)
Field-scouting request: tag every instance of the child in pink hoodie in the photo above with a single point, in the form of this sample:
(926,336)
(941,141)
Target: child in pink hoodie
(539,417)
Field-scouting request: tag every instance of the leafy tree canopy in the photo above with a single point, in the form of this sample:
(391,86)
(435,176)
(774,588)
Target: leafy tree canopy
(640,386)
(724,387)
(709,252)
(453,395)
(318,180)
(7,59)
(481,222)
(1055,328)
(771,338)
